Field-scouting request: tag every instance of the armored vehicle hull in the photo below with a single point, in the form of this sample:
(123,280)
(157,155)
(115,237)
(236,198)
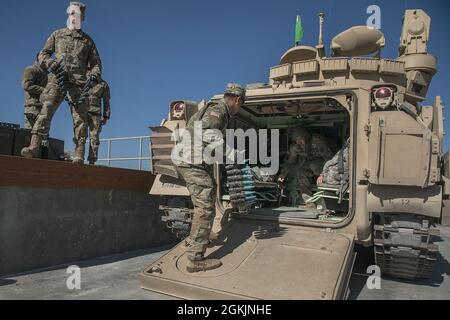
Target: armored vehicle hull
(390,199)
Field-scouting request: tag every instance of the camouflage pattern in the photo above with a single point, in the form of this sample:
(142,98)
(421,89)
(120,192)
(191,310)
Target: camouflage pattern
(95,128)
(330,172)
(235,89)
(302,165)
(202,188)
(320,152)
(98,93)
(199,178)
(77,50)
(80,55)
(34,80)
(213,116)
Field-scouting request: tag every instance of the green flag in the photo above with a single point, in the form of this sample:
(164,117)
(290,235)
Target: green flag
(298,31)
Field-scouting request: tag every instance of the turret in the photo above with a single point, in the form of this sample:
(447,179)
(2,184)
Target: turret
(357,41)
(356,57)
(420,67)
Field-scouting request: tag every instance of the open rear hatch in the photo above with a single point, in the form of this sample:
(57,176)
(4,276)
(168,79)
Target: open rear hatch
(261,260)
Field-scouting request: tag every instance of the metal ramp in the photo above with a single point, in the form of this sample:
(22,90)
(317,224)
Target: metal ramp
(261,260)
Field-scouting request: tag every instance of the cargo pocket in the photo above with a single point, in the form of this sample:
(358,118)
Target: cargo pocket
(51,94)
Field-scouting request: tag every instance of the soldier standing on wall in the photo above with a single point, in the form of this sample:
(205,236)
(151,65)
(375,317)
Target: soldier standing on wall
(96,119)
(34,80)
(73,52)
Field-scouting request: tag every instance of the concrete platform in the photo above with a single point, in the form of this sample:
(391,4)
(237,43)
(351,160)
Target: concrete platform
(55,212)
(112,277)
(116,277)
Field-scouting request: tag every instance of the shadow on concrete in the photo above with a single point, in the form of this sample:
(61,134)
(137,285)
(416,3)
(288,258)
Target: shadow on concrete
(122,256)
(7,282)
(437,239)
(364,258)
(100,260)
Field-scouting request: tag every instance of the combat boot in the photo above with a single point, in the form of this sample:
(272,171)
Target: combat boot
(202,265)
(79,153)
(32,151)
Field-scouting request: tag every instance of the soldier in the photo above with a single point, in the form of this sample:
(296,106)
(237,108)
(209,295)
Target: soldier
(99,91)
(73,52)
(199,177)
(34,80)
(335,171)
(305,159)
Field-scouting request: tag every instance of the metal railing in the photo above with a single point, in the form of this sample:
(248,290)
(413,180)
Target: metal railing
(140,158)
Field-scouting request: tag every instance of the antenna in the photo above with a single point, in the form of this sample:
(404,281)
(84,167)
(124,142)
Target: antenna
(321,15)
(320,48)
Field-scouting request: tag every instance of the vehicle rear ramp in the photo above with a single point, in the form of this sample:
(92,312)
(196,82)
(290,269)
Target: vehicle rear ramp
(261,260)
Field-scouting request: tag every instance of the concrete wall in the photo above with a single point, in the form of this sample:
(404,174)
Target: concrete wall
(43,227)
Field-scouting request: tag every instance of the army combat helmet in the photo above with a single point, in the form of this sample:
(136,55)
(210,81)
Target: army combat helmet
(236,90)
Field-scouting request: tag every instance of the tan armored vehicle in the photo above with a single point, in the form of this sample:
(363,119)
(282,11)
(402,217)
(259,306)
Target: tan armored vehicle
(397,176)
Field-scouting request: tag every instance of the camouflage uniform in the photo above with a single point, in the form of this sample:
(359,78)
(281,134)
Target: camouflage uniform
(302,165)
(199,178)
(331,174)
(100,91)
(34,80)
(78,51)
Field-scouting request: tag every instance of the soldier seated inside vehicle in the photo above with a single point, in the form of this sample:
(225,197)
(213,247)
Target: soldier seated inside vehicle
(310,133)
(303,163)
(335,171)
(333,182)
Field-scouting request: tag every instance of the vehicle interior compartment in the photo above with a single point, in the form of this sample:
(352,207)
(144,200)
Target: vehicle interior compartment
(325,120)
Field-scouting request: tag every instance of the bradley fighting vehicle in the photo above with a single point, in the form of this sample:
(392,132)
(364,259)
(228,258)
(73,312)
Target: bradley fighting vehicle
(390,199)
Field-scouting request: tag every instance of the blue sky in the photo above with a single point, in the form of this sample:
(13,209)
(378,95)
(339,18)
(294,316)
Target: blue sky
(157,51)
